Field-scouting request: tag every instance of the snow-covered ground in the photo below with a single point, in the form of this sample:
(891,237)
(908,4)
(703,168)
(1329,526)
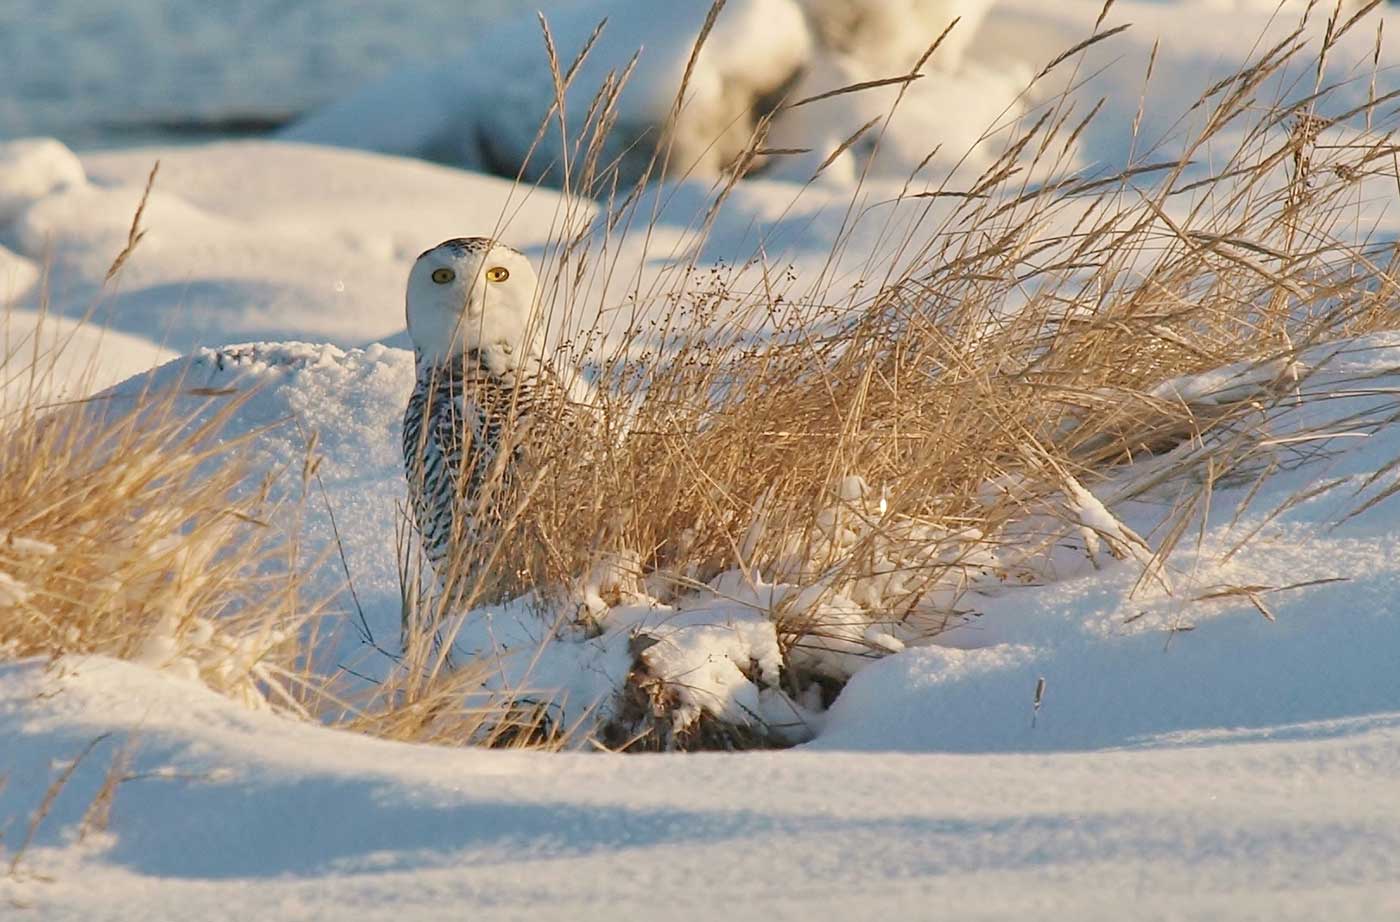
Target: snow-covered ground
(1190,758)
(238,814)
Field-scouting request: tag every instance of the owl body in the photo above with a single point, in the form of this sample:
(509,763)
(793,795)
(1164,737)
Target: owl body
(482,383)
(464,441)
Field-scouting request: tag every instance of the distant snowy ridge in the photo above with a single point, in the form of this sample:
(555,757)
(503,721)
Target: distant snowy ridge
(484,109)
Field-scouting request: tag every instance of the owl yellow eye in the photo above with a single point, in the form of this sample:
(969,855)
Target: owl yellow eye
(443,276)
(497,274)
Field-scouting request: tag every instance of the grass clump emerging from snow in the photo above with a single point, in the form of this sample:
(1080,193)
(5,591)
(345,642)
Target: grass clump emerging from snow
(849,454)
(786,474)
(127,531)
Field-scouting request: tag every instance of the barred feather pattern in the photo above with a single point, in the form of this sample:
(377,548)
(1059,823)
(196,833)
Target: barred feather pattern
(463,433)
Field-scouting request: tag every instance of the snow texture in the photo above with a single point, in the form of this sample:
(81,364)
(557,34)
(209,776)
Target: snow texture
(1086,746)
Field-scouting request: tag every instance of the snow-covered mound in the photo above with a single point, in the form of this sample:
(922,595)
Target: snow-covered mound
(351,403)
(228,814)
(484,108)
(1278,613)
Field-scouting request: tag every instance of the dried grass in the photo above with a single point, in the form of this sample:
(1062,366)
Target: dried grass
(1009,328)
(1017,335)
(129,529)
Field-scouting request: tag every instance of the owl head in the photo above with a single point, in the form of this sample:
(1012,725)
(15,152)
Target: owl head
(471,293)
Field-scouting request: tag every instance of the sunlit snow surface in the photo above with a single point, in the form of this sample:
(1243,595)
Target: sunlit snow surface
(1241,768)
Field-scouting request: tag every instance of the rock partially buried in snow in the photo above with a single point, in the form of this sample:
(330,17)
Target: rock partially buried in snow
(31,169)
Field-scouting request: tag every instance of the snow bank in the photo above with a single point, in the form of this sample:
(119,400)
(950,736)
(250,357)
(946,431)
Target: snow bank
(484,109)
(1127,661)
(232,813)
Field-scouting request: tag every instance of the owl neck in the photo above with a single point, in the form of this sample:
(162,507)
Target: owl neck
(493,359)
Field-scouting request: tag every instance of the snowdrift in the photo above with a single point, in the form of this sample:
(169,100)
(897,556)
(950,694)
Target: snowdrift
(1293,624)
(485,108)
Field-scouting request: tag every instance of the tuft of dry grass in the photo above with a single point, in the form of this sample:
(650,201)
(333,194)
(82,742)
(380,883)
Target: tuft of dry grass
(1009,330)
(130,529)
(131,532)
(891,430)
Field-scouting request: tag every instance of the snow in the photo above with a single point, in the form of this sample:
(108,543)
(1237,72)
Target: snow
(74,358)
(236,813)
(31,169)
(17,276)
(484,108)
(1228,749)
(1243,766)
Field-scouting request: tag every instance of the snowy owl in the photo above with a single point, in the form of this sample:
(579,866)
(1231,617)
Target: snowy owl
(480,374)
